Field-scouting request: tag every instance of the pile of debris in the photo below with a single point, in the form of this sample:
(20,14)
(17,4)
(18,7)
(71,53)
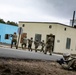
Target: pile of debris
(31,67)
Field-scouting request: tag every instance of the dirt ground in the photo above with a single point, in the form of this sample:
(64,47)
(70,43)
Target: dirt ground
(31,67)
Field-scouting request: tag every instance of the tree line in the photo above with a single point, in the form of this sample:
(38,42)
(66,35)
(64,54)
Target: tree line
(8,22)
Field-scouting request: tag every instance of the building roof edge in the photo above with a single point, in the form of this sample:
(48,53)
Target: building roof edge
(45,23)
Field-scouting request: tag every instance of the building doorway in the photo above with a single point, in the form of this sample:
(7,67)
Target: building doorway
(53,38)
(23,35)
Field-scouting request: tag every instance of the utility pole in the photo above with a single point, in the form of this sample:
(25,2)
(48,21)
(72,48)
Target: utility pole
(20,31)
(73,19)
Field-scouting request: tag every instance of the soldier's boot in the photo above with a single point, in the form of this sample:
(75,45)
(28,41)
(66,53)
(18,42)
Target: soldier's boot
(50,51)
(31,49)
(11,46)
(35,50)
(16,47)
(28,48)
(45,52)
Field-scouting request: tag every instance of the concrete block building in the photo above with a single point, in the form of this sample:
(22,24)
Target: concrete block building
(64,36)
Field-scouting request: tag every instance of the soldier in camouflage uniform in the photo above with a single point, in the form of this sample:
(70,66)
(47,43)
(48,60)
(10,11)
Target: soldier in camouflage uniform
(14,40)
(30,41)
(49,45)
(68,62)
(42,45)
(24,43)
(36,43)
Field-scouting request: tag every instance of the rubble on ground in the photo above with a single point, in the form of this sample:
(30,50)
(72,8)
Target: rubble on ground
(31,67)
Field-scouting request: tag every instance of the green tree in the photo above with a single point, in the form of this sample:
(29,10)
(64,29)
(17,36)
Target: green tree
(8,22)
(2,21)
(12,23)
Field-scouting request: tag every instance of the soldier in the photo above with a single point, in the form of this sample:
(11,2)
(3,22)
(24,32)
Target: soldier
(14,40)
(24,42)
(30,41)
(49,45)
(42,44)
(36,45)
(68,62)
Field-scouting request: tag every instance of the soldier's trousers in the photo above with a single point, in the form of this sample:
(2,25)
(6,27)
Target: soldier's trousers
(48,49)
(14,42)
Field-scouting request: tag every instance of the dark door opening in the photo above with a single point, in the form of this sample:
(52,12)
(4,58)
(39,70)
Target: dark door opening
(53,38)
(22,36)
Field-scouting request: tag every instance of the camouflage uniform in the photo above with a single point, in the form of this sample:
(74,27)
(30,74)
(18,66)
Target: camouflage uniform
(49,45)
(42,44)
(69,62)
(36,45)
(14,39)
(24,43)
(30,41)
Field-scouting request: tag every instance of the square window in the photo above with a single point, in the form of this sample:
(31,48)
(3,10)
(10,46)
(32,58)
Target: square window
(68,42)
(38,37)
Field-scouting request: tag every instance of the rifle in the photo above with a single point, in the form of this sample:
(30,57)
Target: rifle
(62,61)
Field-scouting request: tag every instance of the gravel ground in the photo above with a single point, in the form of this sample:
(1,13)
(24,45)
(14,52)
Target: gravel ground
(31,67)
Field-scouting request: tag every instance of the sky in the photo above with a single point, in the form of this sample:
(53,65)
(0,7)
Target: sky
(60,11)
